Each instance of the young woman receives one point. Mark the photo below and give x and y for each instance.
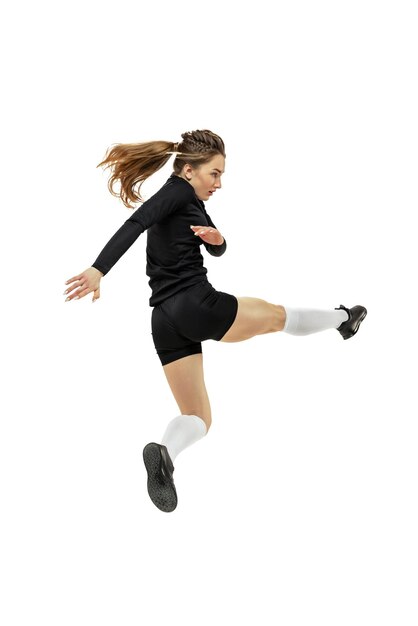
(187, 309)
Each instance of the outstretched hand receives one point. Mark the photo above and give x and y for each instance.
(208, 234)
(85, 283)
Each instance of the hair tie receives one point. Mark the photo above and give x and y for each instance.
(175, 149)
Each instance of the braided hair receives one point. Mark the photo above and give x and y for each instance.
(133, 163)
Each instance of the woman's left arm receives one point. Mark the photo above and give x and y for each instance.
(212, 239)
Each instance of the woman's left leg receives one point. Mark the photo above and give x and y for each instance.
(256, 317)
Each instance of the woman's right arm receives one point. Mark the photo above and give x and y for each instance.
(162, 204)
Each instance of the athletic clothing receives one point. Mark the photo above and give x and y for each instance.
(183, 321)
(307, 321)
(181, 432)
(174, 260)
(187, 309)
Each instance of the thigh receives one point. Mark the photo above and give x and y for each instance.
(255, 316)
(186, 380)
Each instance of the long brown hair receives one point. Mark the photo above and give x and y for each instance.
(133, 163)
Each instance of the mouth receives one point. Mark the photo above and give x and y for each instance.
(211, 192)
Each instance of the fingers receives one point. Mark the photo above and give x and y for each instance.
(203, 230)
(71, 288)
(208, 234)
(80, 280)
(70, 280)
(200, 228)
(78, 294)
(82, 290)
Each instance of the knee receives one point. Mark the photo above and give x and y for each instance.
(208, 422)
(279, 318)
(207, 418)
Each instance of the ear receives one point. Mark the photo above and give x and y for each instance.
(188, 170)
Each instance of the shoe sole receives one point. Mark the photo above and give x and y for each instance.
(161, 489)
(360, 319)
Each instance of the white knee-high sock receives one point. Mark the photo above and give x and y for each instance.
(181, 432)
(307, 321)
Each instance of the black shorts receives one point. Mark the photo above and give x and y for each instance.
(180, 323)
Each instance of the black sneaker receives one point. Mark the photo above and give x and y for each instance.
(355, 316)
(160, 470)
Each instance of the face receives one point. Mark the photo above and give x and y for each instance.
(207, 178)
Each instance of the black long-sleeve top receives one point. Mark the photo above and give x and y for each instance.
(174, 260)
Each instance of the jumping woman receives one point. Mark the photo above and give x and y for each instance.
(187, 309)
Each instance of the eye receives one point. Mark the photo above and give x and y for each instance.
(214, 173)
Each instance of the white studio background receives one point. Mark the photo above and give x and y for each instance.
(299, 507)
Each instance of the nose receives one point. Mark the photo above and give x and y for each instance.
(218, 184)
